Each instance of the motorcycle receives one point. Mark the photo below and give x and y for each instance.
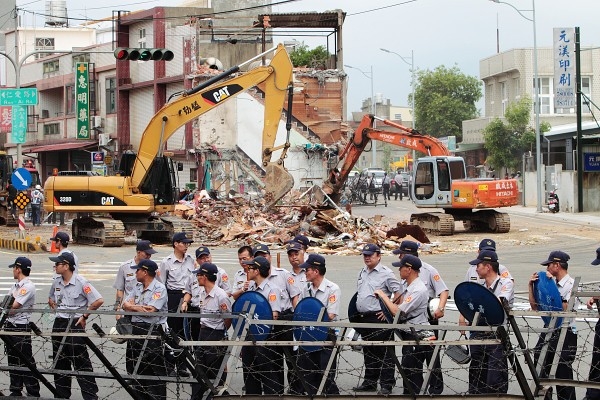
(553, 202)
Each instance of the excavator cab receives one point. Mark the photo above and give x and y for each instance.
(160, 182)
(432, 181)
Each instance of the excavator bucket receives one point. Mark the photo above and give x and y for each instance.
(278, 183)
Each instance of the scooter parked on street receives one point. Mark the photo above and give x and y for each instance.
(553, 202)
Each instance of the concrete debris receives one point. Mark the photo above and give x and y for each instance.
(238, 220)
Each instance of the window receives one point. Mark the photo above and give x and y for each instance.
(43, 44)
(52, 129)
(111, 95)
(51, 66)
(70, 99)
(81, 58)
(546, 96)
(142, 39)
(504, 96)
(586, 89)
(516, 87)
(31, 119)
(193, 174)
(397, 117)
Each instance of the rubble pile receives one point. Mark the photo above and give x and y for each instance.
(238, 220)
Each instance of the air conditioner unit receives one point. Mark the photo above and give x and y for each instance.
(96, 121)
(103, 139)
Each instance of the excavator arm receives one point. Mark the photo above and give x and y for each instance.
(276, 78)
(407, 138)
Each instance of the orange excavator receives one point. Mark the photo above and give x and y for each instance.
(439, 181)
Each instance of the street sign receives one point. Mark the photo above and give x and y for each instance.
(15, 97)
(21, 179)
(19, 124)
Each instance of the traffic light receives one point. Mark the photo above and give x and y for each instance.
(123, 53)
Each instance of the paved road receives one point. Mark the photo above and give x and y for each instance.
(100, 265)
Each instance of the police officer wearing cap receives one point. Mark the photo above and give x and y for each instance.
(213, 300)
(379, 360)
(240, 279)
(125, 280)
(557, 266)
(72, 292)
(192, 292)
(61, 240)
(304, 242)
(175, 271)
(263, 372)
(296, 256)
(312, 364)
(18, 321)
(149, 296)
(412, 306)
(472, 276)
(289, 295)
(436, 288)
(488, 371)
(203, 256)
(593, 393)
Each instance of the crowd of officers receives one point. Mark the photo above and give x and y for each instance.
(185, 284)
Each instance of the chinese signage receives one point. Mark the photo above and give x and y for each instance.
(591, 162)
(5, 119)
(19, 124)
(82, 94)
(564, 68)
(14, 97)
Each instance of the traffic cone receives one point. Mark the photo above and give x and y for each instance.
(53, 248)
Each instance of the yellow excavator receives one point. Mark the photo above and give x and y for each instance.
(143, 199)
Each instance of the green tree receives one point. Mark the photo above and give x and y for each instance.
(387, 156)
(506, 140)
(444, 98)
(315, 58)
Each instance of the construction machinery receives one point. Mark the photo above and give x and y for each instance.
(439, 181)
(142, 199)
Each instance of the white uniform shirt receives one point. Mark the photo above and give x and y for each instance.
(75, 295)
(327, 293)
(380, 277)
(24, 294)
(414, 302)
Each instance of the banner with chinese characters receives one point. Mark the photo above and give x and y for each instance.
(564, 68)
(5, 119)
(82, 93)
(591, 162)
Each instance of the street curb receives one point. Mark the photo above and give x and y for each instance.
(23, 245)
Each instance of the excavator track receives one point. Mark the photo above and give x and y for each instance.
(435, 223)
(180, 225)
(487, 221)
(102, 232)
(500, 222)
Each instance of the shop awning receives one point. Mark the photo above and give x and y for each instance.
(61, 147)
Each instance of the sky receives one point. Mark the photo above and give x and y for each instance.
(439, 32)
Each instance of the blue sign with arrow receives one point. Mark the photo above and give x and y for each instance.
(21, 179)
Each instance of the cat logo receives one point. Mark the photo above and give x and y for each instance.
(107, 201)
(222, 94)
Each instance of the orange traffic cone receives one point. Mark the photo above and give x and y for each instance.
(53, 248)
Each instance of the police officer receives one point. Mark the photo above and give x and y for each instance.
(213, 300)
(71, 291)
(557, 266)
(149, 296)
(412, 307)
(203, 256)
(18, 321)
(472, 276)
(592, 393)
(379, 360)
(125, 280)
(313, 363)
(262, 369)
(289, 294)
(240, 279)
(436, 287)
(295, 253)
(175, 271)
(61, 240)
(488, 372)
